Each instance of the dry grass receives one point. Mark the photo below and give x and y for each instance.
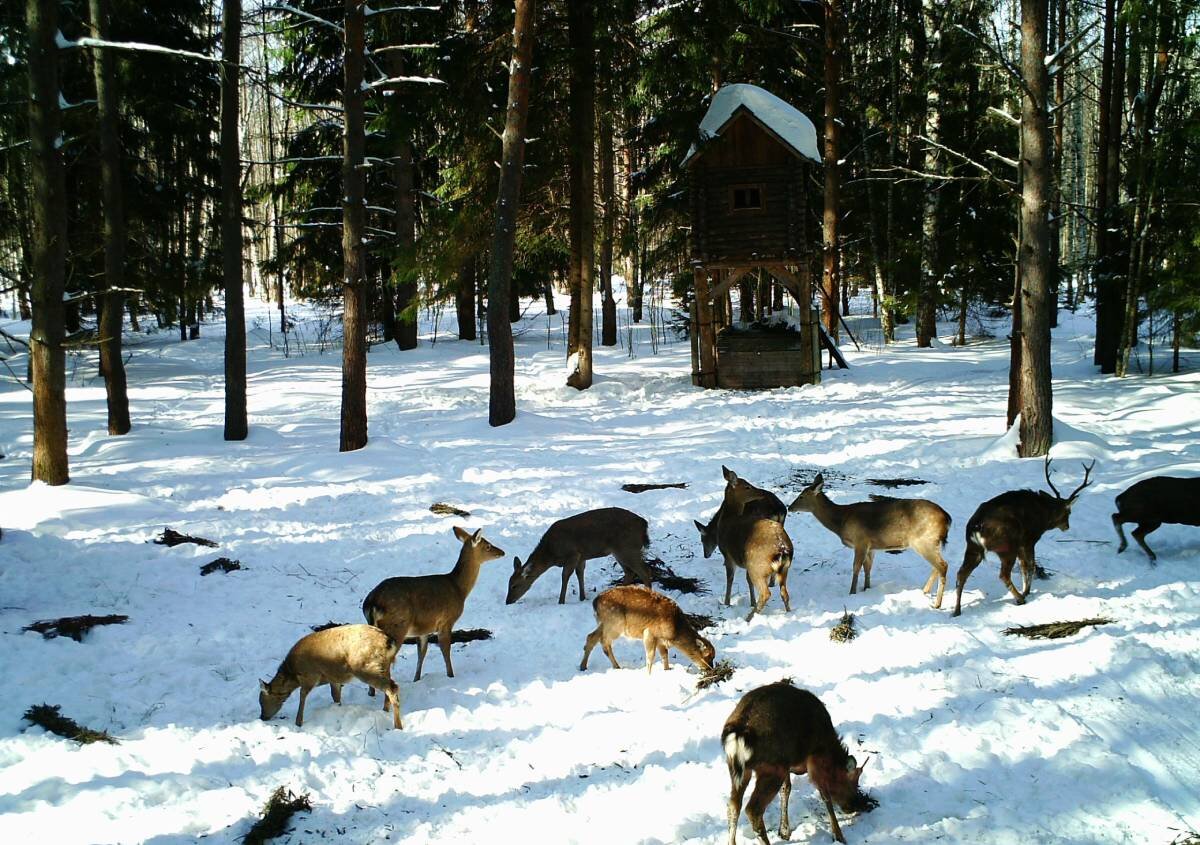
(277, 815)
(443, 509)
(1056, 630)
(48, 716)
(844, 631)
(722, 670)
(1187, 837)
(642, 488)
(73, 626)
(700, 621)
(664, 577)
(221, 564)
(171, 537)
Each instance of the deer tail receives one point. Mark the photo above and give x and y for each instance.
(737, 755)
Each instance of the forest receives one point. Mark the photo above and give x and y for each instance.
(325, 311)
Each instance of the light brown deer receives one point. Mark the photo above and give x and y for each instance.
(1010, 525)
(883, 524)
(777, 731)
(572, 542)
(334, 656)
(430, 604)
(656, 620)
(760, 546)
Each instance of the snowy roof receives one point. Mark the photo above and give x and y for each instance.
(786, 122)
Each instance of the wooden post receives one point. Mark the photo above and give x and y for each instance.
(705, 334)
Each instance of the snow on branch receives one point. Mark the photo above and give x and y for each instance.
(368, 11)
(1053, 60)
(284, 7)
(395, 47)
(398, 80)
(64, 43)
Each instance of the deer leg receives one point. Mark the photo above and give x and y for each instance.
(391, 695)
(335, 690)
(858, 562)
(972, 559)
(589, 644)
(422, 645)
(783, 591)
(1140, 533)
(579, 565)
(662, 652)
(833, 822)
(938, 570)
(1007, 559)
(785, 796)
(651, 645)
(634, 564)
(606, 644)
(1028, 568)
(567, 569)
(766, 787)
(868, 562)
(729, 567)
(759, 593)
(1118, 524)
(444, 642)
(304, 691)
(737, 790)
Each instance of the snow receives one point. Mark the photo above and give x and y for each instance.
(792, 127)
(973, 736)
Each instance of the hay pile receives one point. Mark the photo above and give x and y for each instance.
(73, 626)
(221, 564)
(171, 538)
(48, 716)
(277, 815)
(722, 670)
(1056, 630)
(844, 631)
(443, 509)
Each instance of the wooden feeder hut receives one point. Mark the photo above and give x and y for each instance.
(747, 184)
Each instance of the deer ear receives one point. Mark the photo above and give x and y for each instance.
(461, 534)
(516, 565)
(477, 536)
(262, 685)
(851, 763)
(819, 481)
(729, 474)
(703, 528)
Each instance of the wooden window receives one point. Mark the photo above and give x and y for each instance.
(746, 198)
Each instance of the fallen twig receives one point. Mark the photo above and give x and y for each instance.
(1056, 630)
(276, 816)
(48, 716)
(171, 538)
(73, 626)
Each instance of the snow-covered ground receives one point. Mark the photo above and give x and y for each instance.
(974, 736)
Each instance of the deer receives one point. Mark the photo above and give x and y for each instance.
(427, 604)
(774, 732)
(760, 546)
(1154, 501)
(1010, 525)
(642, 614)
(334, 656)
(743, 498)
(883, 524)
(573, 541)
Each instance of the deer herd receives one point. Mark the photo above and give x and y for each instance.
(776, 730)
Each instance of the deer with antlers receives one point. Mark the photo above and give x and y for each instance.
(1010, 525)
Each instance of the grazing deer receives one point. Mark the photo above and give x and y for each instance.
(777, 731)
(1153, 501)
(427, 604)
(760, 546)
(572, 542)
(1010, 525)
(883, 524)
(642, 614)
(334, 656)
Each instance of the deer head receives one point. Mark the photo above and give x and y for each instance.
(1063, 521)
(808, 496)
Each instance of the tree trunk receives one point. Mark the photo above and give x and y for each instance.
(608, 205)
(1058, 20)
(464, 300)
(932, 162)
(112, 302)
(231, 224)
(1109, 306)
(581, 37)
(406, 238)
(635, 281)
(354, 318)
(1037, 424)
(502, 401)
(829, 228)
(46, 354)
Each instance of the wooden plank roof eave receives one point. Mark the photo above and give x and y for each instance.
(738, 112)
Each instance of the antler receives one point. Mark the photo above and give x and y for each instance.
(1057, 495)
(1087, 472)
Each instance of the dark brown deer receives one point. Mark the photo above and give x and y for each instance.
(572, 542)
(883, 524)
(1154, 501)
(744, 499)
(777, 731)
(430, 604)
(1010, 525)
(641, 614)
(760, 546)
(334, 656)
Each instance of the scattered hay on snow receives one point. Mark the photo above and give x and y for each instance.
(73, 626)
(171, 538)
(48, 716)
(844, 631)
(896, 482)
(443, 509)
(722, 670)
(643, 488)
(1056, 630)
(700, 621)
(277, 815)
